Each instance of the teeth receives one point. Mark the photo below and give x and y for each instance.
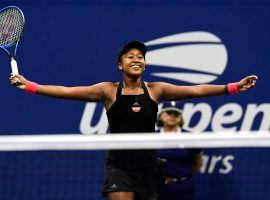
(135, 67)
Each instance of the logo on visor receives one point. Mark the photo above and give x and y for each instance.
(193, 57)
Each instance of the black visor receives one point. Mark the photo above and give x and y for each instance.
(132, 45)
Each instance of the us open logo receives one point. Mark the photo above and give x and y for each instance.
(193, 57)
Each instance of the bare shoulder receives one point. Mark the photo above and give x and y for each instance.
(108, 85)
(155, 89)
(109, 89)
(156, 85)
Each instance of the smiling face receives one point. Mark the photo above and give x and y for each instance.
(132, 63)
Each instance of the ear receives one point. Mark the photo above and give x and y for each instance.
(120, 66)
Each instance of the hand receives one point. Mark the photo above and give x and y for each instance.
(247, 83)
(18, 78)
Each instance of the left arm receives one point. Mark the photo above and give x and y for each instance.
(175, 92)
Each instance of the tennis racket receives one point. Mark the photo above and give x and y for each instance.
(11, 30)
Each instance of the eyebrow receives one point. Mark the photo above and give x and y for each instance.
(134, 54)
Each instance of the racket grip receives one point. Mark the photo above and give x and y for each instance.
(14, 69)
(14, 66)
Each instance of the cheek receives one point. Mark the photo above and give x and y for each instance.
(163, 117)
(125, 62)
(178, 120)
(143, 62)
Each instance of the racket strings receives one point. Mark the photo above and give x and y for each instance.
(11, 26)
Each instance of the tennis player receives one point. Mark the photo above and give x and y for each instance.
(131, 106)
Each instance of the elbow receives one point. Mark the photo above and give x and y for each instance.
(66, 92)
(199, 91)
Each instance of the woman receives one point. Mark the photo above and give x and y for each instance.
(131, 107)
(182, 164)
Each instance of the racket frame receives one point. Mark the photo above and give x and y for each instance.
(13, 62)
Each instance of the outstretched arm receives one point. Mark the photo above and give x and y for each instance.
(84, 93)
(174, 92)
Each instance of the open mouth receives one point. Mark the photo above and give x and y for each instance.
(136, 67)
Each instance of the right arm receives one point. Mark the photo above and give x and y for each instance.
(197, 163)
(84, 93)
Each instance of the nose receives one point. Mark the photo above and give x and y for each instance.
(135, 59)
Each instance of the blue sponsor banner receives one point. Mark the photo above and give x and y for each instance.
(190, 42)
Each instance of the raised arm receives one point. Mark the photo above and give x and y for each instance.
(84, 93)
(175, 92)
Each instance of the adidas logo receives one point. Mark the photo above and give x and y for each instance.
(136, 107)
(136, 104)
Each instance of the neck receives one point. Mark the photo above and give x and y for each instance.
(170, 128)
(132, 83)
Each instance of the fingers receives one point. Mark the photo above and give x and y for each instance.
(250, 81)
(15, 79)
(252, 78)
(12, 77)
(15, 75)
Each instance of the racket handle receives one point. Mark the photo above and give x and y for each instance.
(14, 66)
(14, 69)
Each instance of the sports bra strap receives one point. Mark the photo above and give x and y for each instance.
(145, 89)
(119, 89)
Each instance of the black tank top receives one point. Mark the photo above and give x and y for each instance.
(132, 114)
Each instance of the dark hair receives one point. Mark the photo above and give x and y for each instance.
(133, 44)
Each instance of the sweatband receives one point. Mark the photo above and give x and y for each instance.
(233, 88)
(31, 87)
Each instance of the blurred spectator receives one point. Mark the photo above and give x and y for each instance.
(182, 164)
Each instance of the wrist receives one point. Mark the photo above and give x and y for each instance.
(226, 89)
(239, 86)
(232, 88)
(31, 87)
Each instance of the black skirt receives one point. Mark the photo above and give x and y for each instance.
(145, 183)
